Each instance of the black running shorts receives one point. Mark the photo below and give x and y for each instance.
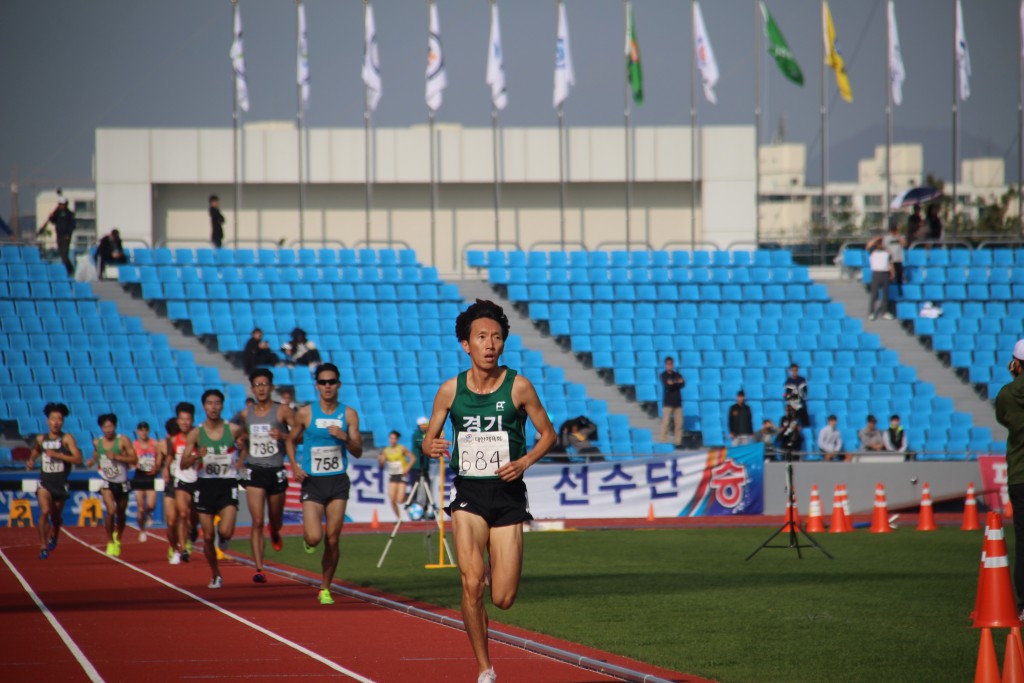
(143, 482)
(323, 490)
(273, 480)
(58, 492)
(213, 495)
(121, 490)
(499, 502)
(187, 487)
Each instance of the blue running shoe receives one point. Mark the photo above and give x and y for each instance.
(43, 554)
(52, 543)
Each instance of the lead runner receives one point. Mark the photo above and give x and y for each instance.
(488, 405)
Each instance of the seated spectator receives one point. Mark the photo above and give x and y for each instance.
(830, 441)
(870, 437)
(790, 438)
(741, 422)
(766, 435)
(287, 395)
(110, 250)
(300, 351)
(578, 433)
(257, 352)
(894, 437)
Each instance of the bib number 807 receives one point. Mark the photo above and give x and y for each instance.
(479, 463)
(218, 469)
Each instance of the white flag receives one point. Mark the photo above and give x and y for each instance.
(371, 62)
(895, 58)
(437, 80)
(704, 55)
(564, 76)
(302, 73)
(963, 56)
(496, 63)
(237, 55)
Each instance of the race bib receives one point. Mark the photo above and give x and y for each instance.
(395, 466)
(218, 465)
(326, 460)
(261, 445)
(147, 461)
(52, 465)
(110, 469)
(482, 453)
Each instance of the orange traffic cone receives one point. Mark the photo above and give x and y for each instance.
(880, 513)
(650, 512)
(981, 567)
(792, 515)
(926, 519)
(996, 606)
(987, 670)
(970, 511)
(375, 521)
(815, 523)
(1013, 665)
(1007, 505)
(848, 516)
(838, 525)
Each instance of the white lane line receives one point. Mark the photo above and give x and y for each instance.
(242, 620)
(83, 661)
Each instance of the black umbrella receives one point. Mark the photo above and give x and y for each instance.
(915, 195)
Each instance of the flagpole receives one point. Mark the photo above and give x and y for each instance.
(366, 134)
(494, 155)
(299, 122)
(234, 133)
(757, 121)
(888, 117)
(693, 128)
(956, 123)
(824, 126)
(1020, 126)
(625, 128)
(561, 176)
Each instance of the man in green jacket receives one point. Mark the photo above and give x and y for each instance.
(1010, 414)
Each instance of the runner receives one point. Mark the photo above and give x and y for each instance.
(114, 453)
(488, 405)
(331, 433)
(144, 479)
(59, 452)
(398, 460)
(184, 485)
(168, 470)
(265, 478)
(212, 445)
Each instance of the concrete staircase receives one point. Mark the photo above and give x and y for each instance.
(852, 294)
(156, 324)
(554, 355)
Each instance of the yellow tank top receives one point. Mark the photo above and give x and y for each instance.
(394, 460)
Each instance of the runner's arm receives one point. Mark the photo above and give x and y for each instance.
(408, 460)
(354, 442)
(95, 454)
(292, 438)
(191, 455)
(525, 395)
(76, 453)
(241, 438)
(37, 448)
(434, 444)
(128, 454)
(286, 416)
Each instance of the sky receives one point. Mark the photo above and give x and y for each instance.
(72, 66)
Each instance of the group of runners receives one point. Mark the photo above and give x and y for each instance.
(203, 466)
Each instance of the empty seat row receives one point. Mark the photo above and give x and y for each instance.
(563, 322)
(130, 274)
(32, 272)
(157, 291)
(269, 257)
(627, 293)
(641, 311)
(642, 276)
(624, 259)
(960, 257)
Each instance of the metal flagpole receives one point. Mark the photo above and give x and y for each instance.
(299, 118)
(625, 129)
(433, 194)
(496, 158)
(693, 130)
(1020, 127)
(366, 137)
(561, 176)
(234, 133)
(956, 94)
(888, 119)
(824, 126)
(757, 120)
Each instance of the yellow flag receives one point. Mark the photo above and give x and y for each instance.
(832, 56)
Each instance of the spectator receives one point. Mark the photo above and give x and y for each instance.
(934, 222)
(894, 437)
(1010, 414)
(790, 437)
(830, 441)
(420, 469)
(894, 244)
(257, 352)
(795, 392)
(578, 433)
(287, 395)
(110, 250)
(741, 422)
(239, 417)
(870, 437)
(63, 219)
(216, 222)
(300, 351)
(881, 274)
(766, 435)
(672, 384)
(915, 226)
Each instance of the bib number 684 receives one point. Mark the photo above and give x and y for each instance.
(479, 462)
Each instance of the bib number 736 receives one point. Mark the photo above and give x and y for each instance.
(481, 454)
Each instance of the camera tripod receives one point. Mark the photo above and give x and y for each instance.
(790, 524)
(431, 508)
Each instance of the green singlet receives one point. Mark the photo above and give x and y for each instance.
(489, 430)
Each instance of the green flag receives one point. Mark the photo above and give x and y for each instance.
(779, 49)
(633, 71)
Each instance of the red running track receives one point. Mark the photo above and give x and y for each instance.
(142, 619)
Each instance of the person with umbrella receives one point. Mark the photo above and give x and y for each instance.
(915, 225)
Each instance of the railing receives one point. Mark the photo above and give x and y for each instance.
(940, 244)
(560, 244)
(628, 245)
(302, 244)
(168, 241)
(389, 244)
(480, 243)
(687, 245)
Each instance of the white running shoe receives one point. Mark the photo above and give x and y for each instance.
(142, 537)
(217, 582)
(888, 316)
(175, 558)
(487, 677)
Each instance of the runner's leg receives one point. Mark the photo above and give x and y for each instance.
(335, 512)
(275, 512)
(171, 517)
(140, 509)
(46, 506)
(396, 497)
(183, 502)
(209, 542)
(56, 516)
(255, 497)
(312, 527)
(122, 517)
(506, 552)
(226, 528)
(110, 510)
(471, 536)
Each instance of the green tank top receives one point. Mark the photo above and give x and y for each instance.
(219, 461)
(489, 430)
(112, 470)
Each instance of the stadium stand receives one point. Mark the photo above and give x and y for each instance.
(384, 319)
(731, 320)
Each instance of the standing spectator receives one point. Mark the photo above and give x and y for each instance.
(881, 274)
(830, 441)
(1010, 414)
(110, 250)
(63, 219)
(894, 437)
(795, 394)
(915, 226)
(934, 222)
(300, 351)
(672, 384)
(420, 466)
(741, 422)
(216, 222)
(894, 244)
(871, 438)
(790, 437)
(257, 352)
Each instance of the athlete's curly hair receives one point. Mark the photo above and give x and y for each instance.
(51, 408)
(481, 309)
